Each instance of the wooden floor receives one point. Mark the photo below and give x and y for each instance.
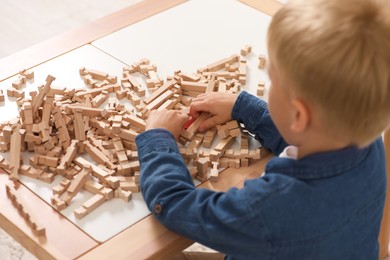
(25, 23)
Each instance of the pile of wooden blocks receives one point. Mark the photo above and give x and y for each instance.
(61, 126)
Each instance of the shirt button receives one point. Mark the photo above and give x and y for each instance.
(157, 209)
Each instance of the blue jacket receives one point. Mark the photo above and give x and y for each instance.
(324, 206)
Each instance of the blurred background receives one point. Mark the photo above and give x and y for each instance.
(26, 23)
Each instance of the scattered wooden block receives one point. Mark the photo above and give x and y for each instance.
(260, 88)
(262, 62)
(1, 95)
(246, 50)
(202, 165)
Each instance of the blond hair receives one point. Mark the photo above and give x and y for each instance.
(337, 55)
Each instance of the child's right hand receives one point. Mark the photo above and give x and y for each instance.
(219, 105)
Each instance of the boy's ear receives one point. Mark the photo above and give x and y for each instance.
(301, 116)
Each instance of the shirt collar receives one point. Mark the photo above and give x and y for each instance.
(318, 165)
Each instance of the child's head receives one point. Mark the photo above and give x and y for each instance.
(336, 55)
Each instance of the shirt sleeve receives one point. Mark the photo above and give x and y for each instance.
(202, 215)
(253, 113)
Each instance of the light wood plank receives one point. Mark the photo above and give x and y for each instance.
(269, 7)
(148, 239)
(66, 42)
(63, 240)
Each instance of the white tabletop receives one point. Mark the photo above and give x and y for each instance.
(192, 35)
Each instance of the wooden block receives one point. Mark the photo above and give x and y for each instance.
(129, 186)
(133, 97)
(260, 88)
(186, 101)
(96, 74)
(246, 50)
(159, 100)
(189, 77)
(128, 134)
(235, 132)
(4, 163)
(24, 210)
(47, 108)
(90, 205)
(193, 171)
(48, 161)
(209, 137)
(244, 162)
(99, 99)
(193, 128)
(122, 194)
(99, 172)
(221, 63)
(224, 162)
(79, 96)
(169, 104)
(262, 62)
(167, 85)
(19, 83)
(56, 201)
(155, 78)
(223, 131)
(78, 182)
(234, 163)
(193, 86)
(42, 93)
(242, 69)
(191, 93)
(98, 155)
(29, 74)
(92, 186)
(18, 94)
(202, 165)
(137, 176)
(121, 94)
(224, 144)
(233, 124)
(136, 121)
(222, 86)
(15, 153)
(211, 84)
(62, 128)
(1, 95)
(244, 152)
(214, 172)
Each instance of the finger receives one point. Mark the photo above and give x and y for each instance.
(201, 96)
(209, 123)
(184, 119)
(196, 108)
(193, 113)
(181, 115)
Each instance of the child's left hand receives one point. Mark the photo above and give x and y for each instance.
(171, 120)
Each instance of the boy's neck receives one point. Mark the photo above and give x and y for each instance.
(320, 145)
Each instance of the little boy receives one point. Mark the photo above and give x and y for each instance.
(323, 196)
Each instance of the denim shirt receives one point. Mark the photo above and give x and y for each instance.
(324, 206)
